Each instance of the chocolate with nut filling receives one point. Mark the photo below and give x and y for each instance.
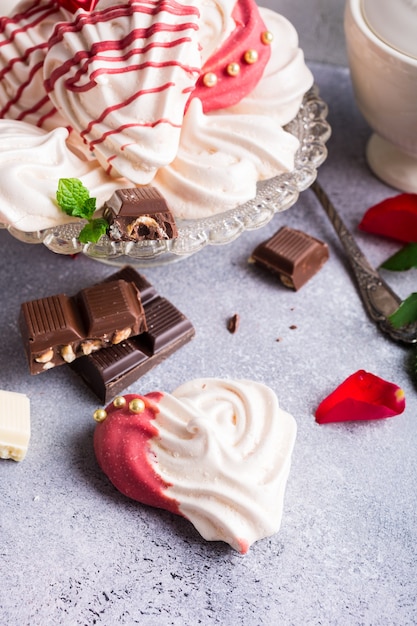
(108, 372)
(292, 254)
(59, 329)
(138, 214)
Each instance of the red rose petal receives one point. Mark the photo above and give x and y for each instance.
(362, 396)
(395, 218)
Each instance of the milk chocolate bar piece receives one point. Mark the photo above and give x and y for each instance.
(59, 329)
(108, 372)
(139, 213)
(14, 425)
(110, 309)
(292, 254)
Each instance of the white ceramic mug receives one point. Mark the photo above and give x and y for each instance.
(383, 68)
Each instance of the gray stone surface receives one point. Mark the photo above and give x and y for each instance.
(319, 24)
(75, 552)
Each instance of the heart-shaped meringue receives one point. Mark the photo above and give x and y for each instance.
(217, 452)
(121, 75)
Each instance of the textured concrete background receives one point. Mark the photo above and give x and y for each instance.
(75, 552)
(319, 24)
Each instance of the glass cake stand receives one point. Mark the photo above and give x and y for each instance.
(277, 194)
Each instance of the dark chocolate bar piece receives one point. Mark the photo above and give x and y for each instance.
(108, 372)
(293, 255)
(59, 329)
(130, 275)
(139, 213)
(165, 323)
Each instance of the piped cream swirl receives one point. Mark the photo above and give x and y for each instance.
(225, 448)
(121, 76)
(31, 162)
(223, 154)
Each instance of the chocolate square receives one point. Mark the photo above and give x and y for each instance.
(293, 255)
(138, 214)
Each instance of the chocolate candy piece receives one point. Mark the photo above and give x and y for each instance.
(139, 213)
(110, 309)
(293, 255)
(130, 275)
(58, 329)
(108, 372)
(165, 323)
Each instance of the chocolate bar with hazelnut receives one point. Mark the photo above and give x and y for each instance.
(108, 372)
(59, 328)
(293, 255)
(138, 214)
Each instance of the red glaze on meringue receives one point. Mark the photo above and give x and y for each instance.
(121, 446)
(74, 5)
(362, 396)
(229, 90)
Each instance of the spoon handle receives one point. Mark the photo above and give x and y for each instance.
(379, 299)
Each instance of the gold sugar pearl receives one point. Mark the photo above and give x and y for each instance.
(210, 79)
(267, 37)
(250, 56)
(100, 415)
(136, 406)
(233, 69)
(119, 402)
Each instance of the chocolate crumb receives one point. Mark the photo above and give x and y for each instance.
(233, 323)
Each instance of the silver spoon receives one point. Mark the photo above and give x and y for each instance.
(379, 299)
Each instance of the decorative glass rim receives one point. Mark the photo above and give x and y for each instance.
(277, 194)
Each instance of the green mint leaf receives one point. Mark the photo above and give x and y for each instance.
(93, 230)
(404, 259)
(89, 208)
(406, 312)
(73, 197)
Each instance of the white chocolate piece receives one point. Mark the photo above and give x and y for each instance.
(14, 425)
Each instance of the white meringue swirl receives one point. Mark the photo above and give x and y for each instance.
(23, 45)
(31, 162)
(121, 76)
(225, 448)
(223, 154)
(221, 158)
